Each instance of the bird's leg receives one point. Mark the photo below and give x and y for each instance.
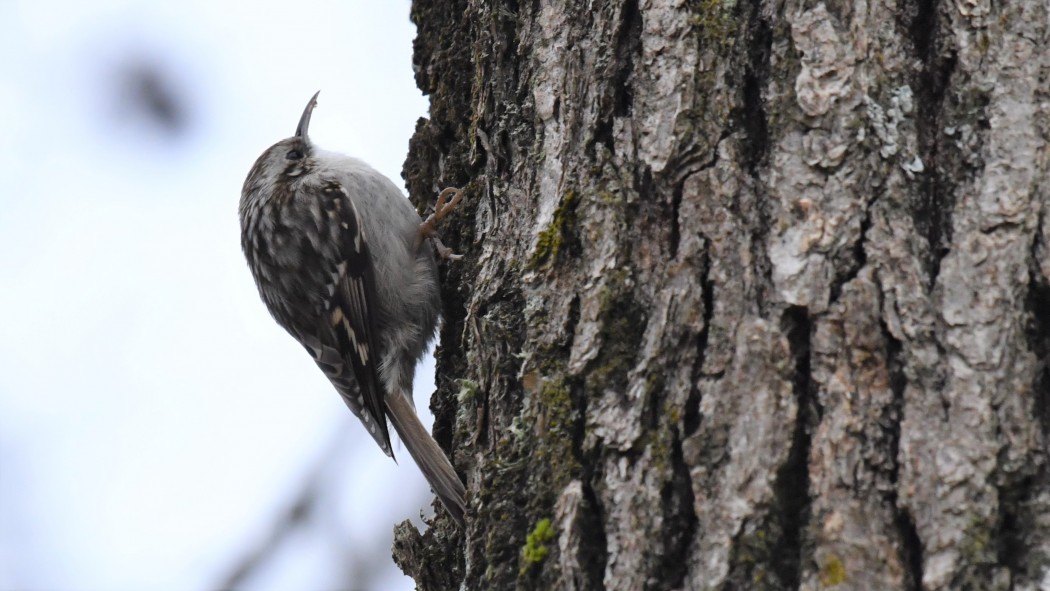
(447, 200)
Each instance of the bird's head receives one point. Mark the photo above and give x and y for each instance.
(286, 160)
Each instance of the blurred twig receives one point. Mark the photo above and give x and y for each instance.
(295, 516)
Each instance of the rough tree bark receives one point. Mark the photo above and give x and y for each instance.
(755, 294)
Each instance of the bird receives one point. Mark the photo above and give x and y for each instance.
(344, 263)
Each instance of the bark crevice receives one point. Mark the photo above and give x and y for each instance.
(691, 416)
(678, 501)
(935, 201)
(910, 545)
(628, 49)
(911, 548)
(619, 97)
(856, 264)
(792, 483)
(1038, 338)
(675, 234)
(595, 551)
(753, 118)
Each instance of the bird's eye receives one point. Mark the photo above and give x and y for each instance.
(294, 154)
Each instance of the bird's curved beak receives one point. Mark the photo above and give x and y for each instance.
(304, 121)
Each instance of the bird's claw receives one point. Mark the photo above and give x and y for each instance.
(443, 251)
(447, 200)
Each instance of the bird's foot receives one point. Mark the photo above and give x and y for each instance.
(447, 200)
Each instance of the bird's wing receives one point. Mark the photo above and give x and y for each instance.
(347, 332)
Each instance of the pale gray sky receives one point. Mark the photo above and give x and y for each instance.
(152, 415)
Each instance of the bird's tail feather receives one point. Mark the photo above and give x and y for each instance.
(428, 455)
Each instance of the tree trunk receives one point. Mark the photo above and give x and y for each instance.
(754, 294)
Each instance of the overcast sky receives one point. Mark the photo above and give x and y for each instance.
(153, 418)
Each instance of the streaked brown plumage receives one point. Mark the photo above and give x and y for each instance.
(341, 261)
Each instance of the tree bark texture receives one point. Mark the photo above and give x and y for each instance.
(755, 294)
